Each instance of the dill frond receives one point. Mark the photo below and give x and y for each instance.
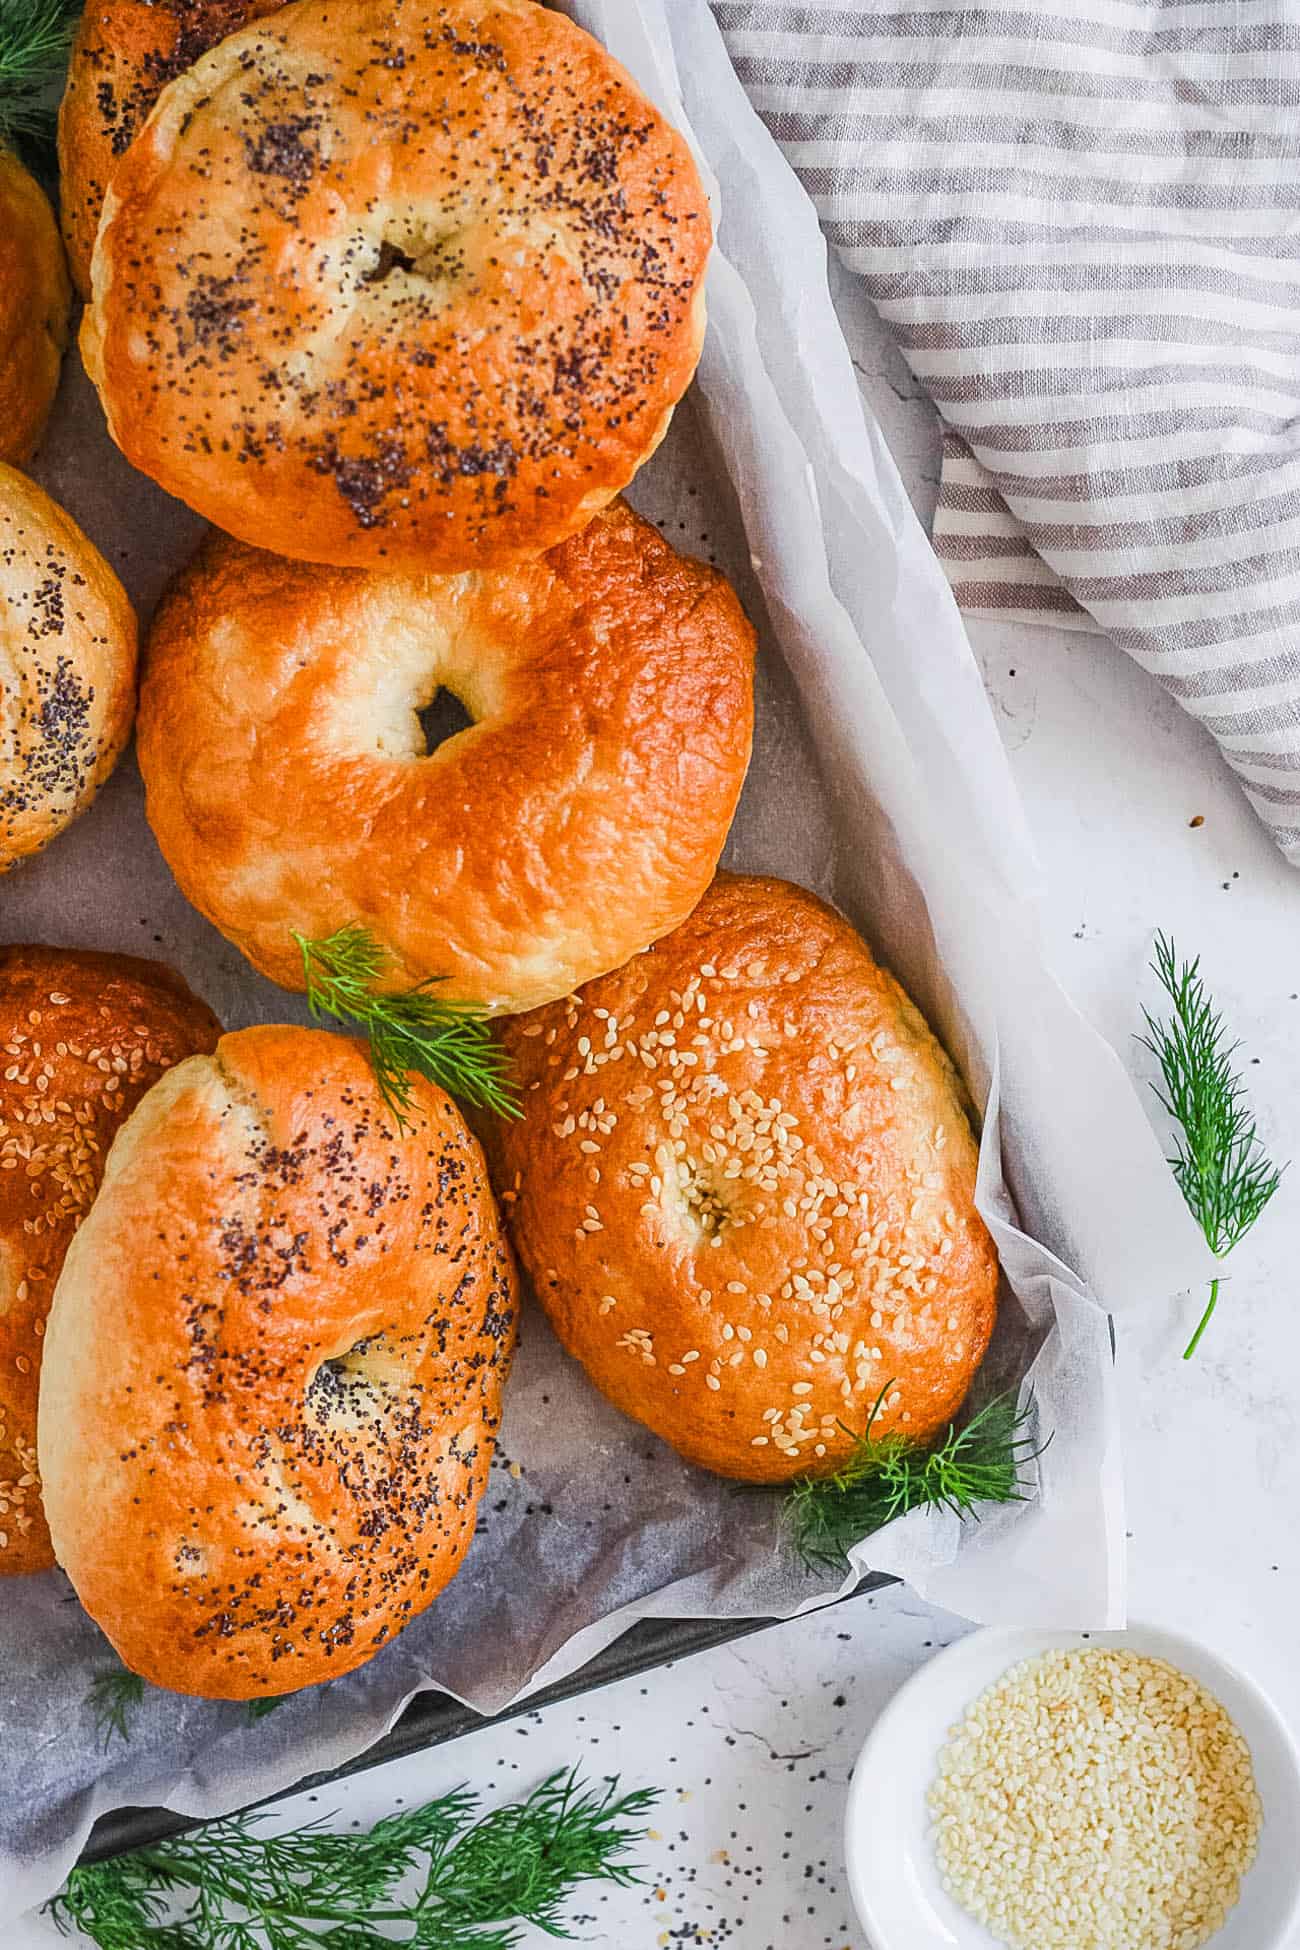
(113, 1698)
(888, 1475)
(1221, 1167)
(451, 1043)
(230, 1888)
(34, 39)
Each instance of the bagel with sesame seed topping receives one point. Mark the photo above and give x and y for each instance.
(743, 1188)
(273, 1368)
(403, 282)
(82, 1037)
(67, 669)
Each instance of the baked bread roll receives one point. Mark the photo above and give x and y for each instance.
(123, 53)
(582, 814)
(743, 1187)
(273, 1368)
(34, 300)
(67, 651)
(402, 282)
(83, 1036)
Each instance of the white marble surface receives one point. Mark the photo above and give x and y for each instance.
(753, 1744)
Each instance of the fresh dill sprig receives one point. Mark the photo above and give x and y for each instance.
(888, 1475)
(449, 1042)
(477, 1879)
(34, 39)
(113, 1698)
(1221, 1167)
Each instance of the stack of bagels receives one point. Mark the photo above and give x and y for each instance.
(399, 295)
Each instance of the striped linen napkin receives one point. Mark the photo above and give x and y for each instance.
(1081, 220)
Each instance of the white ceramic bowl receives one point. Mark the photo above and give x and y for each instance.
(892, 1872)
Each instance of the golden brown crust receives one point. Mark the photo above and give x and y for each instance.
(34, 300)
(82, 1037)
(402, 282)
(67, 668)
(273, 1369)
(582, 815)
(123, 54)
(743, 1189)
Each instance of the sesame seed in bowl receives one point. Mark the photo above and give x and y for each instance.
(1095, 1796)
(1064, 1791)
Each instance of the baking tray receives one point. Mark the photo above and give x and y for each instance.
(434, 1718)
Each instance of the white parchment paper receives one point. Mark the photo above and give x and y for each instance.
(879, 781)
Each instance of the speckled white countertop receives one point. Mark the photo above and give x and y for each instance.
(753, 1744)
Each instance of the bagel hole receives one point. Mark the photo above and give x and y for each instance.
(443, 717)
(391, 258)
(706, 1205)
(409, 247)
(369, 1363)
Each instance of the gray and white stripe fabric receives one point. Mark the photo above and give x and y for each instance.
(1081, 220)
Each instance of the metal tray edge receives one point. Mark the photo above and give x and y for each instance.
(434, 1718)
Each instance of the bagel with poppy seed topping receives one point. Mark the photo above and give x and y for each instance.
(743, 1188)
(67, 654)
(402, 282)
(273, 1368)
(123, 54)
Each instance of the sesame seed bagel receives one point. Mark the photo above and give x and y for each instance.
(273, 1368)
(743, 1188)
(583, 814)
(123, 54)
(34, 300)
(67, 668)
(414, 282)
(82, 1037)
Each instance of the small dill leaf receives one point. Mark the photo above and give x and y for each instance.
(449, 1042)
(886, 1476)
(112, 1698)
(35, 36)
(257, 1709)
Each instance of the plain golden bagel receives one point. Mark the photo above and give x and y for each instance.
(399, 282)
(67, 654)
(34, 299)
(581, 815)
(123, 54)
(743, 1188)
(83, 1037)
(273, 1368)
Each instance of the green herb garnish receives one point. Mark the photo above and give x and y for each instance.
(449, 1042)
(888, 1475)
(34, 39)
(1221, 1167)
(225, 1887)
(113, 1698)
(257, 1709)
